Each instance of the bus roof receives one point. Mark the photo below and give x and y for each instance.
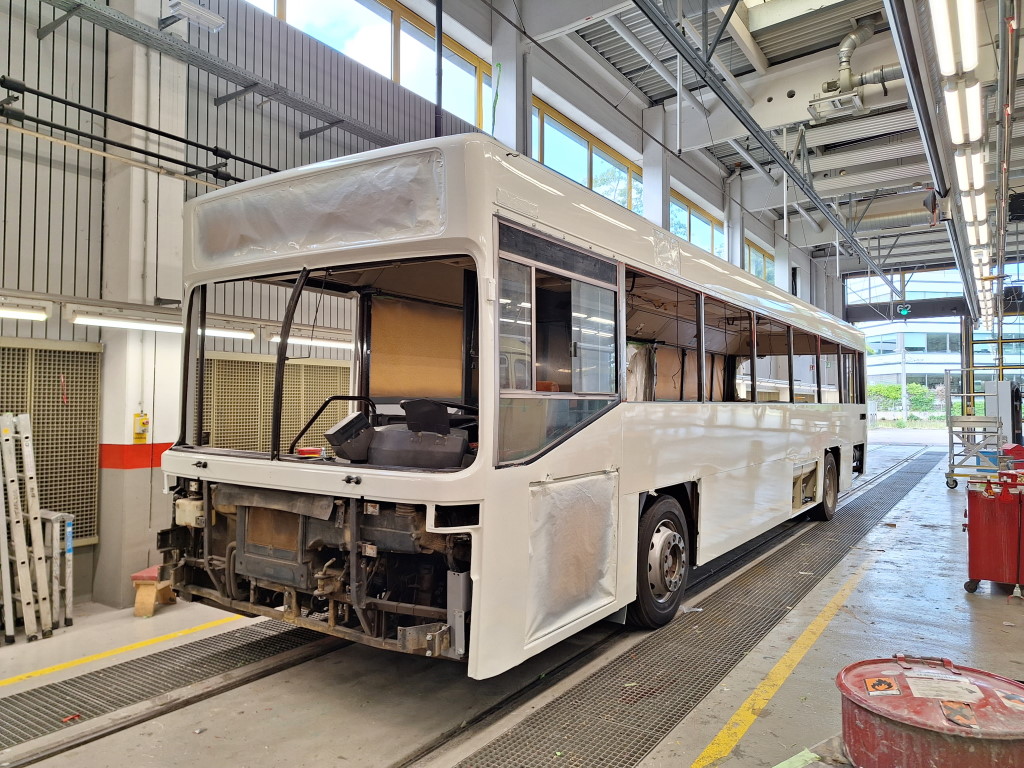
(449, 189)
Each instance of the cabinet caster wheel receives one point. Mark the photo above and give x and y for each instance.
(971, 585)
(951, 482)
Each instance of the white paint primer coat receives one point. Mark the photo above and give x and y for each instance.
(532, 541)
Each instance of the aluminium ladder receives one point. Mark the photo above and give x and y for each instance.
(58, 524)
(6, 576)
(23, 427)
(16, 521)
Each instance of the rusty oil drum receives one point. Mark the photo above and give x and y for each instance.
(907, 712)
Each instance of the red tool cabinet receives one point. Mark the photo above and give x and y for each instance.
(995, 530)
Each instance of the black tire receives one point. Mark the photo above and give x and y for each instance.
(951, 482)
(971, 585)
(826, 509)
(664, 540)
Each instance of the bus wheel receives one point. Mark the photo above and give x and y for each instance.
(829, 490)
(663, 564)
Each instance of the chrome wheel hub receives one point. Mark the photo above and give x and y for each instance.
(666, 562)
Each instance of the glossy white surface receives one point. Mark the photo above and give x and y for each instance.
(742, 453)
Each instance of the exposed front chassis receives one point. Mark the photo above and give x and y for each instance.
(366, 571)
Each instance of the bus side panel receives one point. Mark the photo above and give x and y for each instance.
(741, 453)
(512, 619)
(743, 503)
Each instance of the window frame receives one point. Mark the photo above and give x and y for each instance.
(543, 109)
(717, 224)
(399, 13)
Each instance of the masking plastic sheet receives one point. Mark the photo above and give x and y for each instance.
(573, 535)
(396, 198)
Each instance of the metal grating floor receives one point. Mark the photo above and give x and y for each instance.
(622, 711)
(41, 711)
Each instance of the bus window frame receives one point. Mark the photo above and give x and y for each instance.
(614, 398)
(699, 322)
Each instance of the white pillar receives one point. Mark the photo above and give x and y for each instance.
(734, 224)
(656, 175)
(511, 79)
(141, 261)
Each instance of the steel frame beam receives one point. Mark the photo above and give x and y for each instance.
(46, 29)
(703, 70)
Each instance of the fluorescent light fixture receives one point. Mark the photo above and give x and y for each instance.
(313, 341)
(579, 314)
(505, 301)
(525, 304)
(977, 233)
(202, 17)
(129, 324)
(18, 309)
(970, 168)
(967, 26)
(975, 115)
(943, 32)
(967, 203)
(977, 169)
(954, 116)
(603, 320)
(963, 177)
(980, 205)
(229, 333)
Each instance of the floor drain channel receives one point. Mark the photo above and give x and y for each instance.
(617, 715)
(41, 711)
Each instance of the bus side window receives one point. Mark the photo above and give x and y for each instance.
(805, 367)
(727, 343)
(515, 324)
(829, 371)
(851, 376)
(772, 361)
(662, 329)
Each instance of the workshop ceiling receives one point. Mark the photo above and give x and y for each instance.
(871, 159)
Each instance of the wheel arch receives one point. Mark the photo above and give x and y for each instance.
(688, 496)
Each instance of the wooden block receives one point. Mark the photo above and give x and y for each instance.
(150, 591)
(145, 598)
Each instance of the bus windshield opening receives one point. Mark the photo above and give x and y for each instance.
(380, 369)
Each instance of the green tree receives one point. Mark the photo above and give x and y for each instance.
(886, 395)
(921, 398)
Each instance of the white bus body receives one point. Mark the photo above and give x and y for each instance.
(533, 535)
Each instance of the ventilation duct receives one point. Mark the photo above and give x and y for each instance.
(898, 220)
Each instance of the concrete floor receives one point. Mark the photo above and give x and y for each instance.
(359, 706)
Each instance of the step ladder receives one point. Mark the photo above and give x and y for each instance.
(58, 528)
(34, 597)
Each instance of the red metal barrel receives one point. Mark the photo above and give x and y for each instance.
(921, 713)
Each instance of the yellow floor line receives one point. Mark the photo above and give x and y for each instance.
(115, 651)
(747, 714)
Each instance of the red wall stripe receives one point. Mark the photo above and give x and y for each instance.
(143, 456)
